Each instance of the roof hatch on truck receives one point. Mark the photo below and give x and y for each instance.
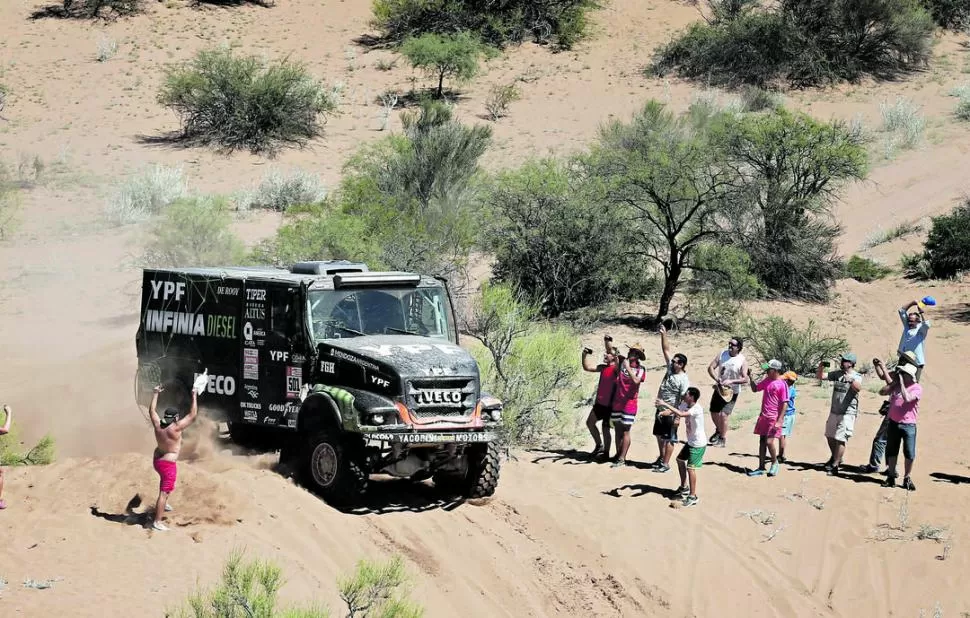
(327, 267)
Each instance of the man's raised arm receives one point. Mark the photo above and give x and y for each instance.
(193, 412)
(153, 408)
(664, 344)
(6, 424)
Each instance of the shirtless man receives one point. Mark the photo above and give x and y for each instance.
(4, 430)
(168, 435)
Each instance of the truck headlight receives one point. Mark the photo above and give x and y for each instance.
(378, 419)
(496, 414)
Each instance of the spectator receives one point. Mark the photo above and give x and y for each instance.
(691, 457)
(728, 369)
(913, 338)
(603, 400)
(879, 441)
(847, 383)
(904, 397)
(624, 406)
(774, 403)
(672, 389)
(8, 412)
(789, 377)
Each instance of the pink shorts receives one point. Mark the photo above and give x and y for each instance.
(167, 470)
(766, 426)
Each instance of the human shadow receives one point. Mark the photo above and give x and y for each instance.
(569, 457)
(849, 472)
(129, 517)
(404, 495)
(641, 489)
(943, 477)
(729, 466)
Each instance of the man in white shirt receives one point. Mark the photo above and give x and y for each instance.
(691, 457)
(913, 337)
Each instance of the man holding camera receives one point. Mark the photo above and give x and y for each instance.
(603, 400)
(915, 329)
(847, 383)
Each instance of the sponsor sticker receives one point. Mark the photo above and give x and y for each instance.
(434, 438)
(294, 382)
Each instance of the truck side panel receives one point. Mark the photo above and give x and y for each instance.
(190, 323)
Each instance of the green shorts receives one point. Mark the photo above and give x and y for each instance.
(693, 455)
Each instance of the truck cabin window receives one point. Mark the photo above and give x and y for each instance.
(352, 313)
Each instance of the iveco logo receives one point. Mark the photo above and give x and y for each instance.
(431, 397)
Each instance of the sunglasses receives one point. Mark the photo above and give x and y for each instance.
(733, 344)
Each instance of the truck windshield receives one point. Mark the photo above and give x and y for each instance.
(380, 311)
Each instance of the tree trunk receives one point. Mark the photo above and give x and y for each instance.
(671, 281)
(441, 84)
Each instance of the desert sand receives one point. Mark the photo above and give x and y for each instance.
(562, 536)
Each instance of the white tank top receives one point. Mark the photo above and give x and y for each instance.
(730, 368)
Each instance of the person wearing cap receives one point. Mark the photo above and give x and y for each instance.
(789, 377)
(624, 413)
(168, 437)
(879, 440)
(913, 337)
(774, 404)
(844, 409)
(904, 397)
(603, 397)
(672, 389)
(728, 370)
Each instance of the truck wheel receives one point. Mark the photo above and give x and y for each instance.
(480, 477)
(483, 470)
(334, 467)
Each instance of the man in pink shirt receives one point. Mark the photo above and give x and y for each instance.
(904, 395)
(774, 404)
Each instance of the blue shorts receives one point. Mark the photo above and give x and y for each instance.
(788, 424)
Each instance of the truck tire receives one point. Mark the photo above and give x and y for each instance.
(480, 477)
(334, 467)
(483, 471)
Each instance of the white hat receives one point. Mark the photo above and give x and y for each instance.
(907, 369)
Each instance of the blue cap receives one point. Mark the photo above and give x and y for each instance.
(849, 356)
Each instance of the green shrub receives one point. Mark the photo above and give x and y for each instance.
(559, 22)
(194, 232)
(146, 194)
(250, 589)
(9, 204)
(950, 14)
(550, 244)
(865, 270)
(963, 108)
(725, 270)
(800, 349)
(904, 120)
(916, 266)
(237, 102)
(755, 99)
(947, 248)
(805, 42)
(321, 232)
(13, 453)
(454, 56)
(278, 191)
(500, 96)
(530, 366)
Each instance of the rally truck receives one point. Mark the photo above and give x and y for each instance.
(348, 372)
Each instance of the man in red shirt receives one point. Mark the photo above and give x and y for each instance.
(904, 396)
(604, 397)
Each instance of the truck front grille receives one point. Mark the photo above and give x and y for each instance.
(451, 397)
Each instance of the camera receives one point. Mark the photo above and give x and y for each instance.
(587, 350)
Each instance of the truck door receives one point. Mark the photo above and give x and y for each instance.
(274, 358)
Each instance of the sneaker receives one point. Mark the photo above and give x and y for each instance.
(3, 504)
(714, 439)
(890, 481)
(690, 501)
(662, 468)
(833, 471)
(781, 459)
(657, 462)
(828, 465)
(870, 469)
(159, 526)
(908, 484)
(619, 463)
(169, 508)
(720, 443)
(683, 492)
(773, 470)
(758, 472)
(885, 472)
(596, 452)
